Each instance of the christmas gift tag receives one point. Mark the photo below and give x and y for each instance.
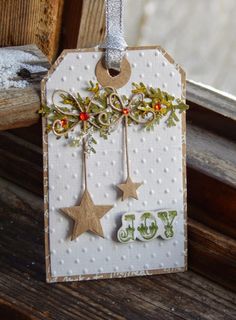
(114, 164)
(122, 211)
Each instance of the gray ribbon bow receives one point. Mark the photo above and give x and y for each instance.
(114, 44)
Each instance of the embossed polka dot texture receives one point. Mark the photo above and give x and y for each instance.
(155, 159)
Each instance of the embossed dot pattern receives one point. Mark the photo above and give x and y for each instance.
(155, 158)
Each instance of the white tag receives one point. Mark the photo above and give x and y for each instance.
(157, 159)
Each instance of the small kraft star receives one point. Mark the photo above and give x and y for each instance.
(129, 189)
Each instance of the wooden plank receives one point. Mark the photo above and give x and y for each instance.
(220, 124)
(212, 250)
(212, 254)
(8, 311)
(212, 121)
(212, 99)
(211, 202)
(211, 154)
(18, 107)
(32, 134)
(83, 24)
(23, 22)
(92, 24)
(22, 279)
(21, 162)
(70, 24)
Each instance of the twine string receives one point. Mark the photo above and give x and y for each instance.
(85, 158)
(127, 147)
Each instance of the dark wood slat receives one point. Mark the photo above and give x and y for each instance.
(212, 254)
(211, 202)
(32, 134)
(211, 99)
(8, 311)
(70, 24)
(92, 24)
(21, 162)
(211, 154)
(22, 280)
(212, 121)
(83, 24)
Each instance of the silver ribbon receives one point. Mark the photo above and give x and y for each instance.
(114, 44)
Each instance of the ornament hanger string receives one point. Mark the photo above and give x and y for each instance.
(126, 147)
(114, 44)
(86, 215)
(85, 159)
(126, 111)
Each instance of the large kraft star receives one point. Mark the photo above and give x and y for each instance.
(86, 216)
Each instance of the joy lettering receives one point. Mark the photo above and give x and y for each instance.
(147, 226)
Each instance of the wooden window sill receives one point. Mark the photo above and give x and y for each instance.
(24, 291)
(211, 141)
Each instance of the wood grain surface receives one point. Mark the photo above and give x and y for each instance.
(92, 24)
(23, 22)
(21, 161)
(212, 254)
(211, 202)
(83, 24)
(214, 154)
(19, 107)
(22, 279)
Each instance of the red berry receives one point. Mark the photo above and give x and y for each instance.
(84, 116)
(125, 111)
(64, 122)
(157, 106)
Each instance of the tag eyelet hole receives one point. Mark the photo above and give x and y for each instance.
(111, 77)
(113, 73)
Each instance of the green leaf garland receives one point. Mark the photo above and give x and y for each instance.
(155, 101)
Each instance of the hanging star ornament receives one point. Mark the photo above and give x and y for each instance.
(86, 216)
(129, 189)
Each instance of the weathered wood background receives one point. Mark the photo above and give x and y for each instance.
(211, 162)
(22, 279)
(33, 21)
(199, 34)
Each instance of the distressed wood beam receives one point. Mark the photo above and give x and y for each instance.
(172, 296)
(19, 106)
(83, 24)
(23, 22)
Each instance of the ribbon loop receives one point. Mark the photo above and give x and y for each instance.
(114, 44)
